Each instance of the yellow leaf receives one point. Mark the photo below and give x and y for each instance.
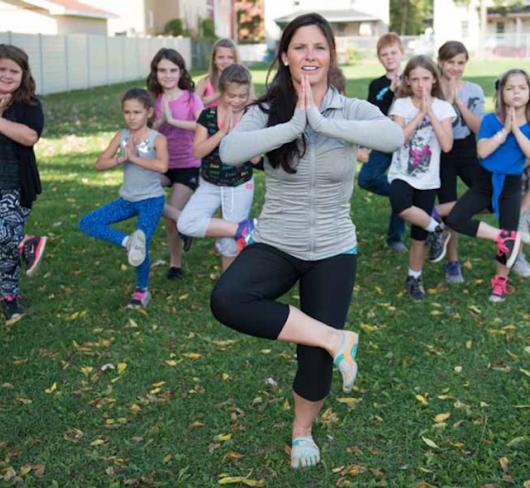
(266, 351)
(469, 344)
(368, 328)
(122, 367)
(24, 470)
(192, 355)
(225, 376)
(97, 442)
(86, 370)
(51, 389)
(475, 309)
(423, 484)
(441, 417)
(422, 399)
(196, 425)
(526, 484)
(171, 362)
(354, 470)
(505, 464)
(159, 384)
(350, 401)
(222, 437)
(524, 371)
(183, 297)
(135, 408)
(233, 455)
(429, 442)
(168, 457)
(286, 405)
(458, 369)
(233, 480)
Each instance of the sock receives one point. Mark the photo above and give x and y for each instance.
(414, 274)
(435, 215)
(125, 241)
(304, 452)
(433, 224)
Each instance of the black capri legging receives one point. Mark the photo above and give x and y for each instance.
(478, 198)
(403, 196)
(461, 162)
(244, 299)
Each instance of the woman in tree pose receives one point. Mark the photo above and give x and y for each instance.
(309, 134)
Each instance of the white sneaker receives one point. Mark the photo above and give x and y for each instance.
(524, 227)
(136, 248)
(521, 266)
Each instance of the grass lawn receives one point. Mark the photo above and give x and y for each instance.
(92, 394)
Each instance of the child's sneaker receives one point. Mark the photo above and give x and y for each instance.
(244, 233)
(453, 272)
(415, 288)
(499, 289)
(521, 266)
(438, 241)
(31, 252)
(139, 299)
(136, 248)
(12, 308)
(508, 244)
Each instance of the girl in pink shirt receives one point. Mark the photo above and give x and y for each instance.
(177, 109)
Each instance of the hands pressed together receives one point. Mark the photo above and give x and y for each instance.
(305, 94)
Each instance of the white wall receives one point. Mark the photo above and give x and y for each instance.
(131, 15)
(77, 61)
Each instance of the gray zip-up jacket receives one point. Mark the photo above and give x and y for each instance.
(307, 214)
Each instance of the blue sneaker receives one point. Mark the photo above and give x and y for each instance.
(453, 273)
(244, 233)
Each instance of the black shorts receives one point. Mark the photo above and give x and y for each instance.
(185, 176)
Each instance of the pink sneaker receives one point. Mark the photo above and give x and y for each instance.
(508, 244)
(499, 289)
(32, 251)
(139, 299)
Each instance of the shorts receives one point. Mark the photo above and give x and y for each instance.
(185, 176)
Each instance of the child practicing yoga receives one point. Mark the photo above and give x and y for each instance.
(414, 174)
(503, 148)
(143, 157)
(230, 188)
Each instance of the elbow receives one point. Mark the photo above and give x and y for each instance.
(196, 152)
(481, 153)
(396, 138)
(447, 147)
(163, 167)
(30, 139)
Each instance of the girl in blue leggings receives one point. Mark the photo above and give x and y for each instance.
(143, 156)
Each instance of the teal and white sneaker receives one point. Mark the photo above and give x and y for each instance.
(304, 453)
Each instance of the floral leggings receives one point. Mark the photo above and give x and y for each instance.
(12, 219)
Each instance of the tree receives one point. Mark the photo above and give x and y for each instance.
(408, 17)
(249, 14)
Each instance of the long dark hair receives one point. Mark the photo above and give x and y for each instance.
(280, 98)
(185, 80)
(25, 93)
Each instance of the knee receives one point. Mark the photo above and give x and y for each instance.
(452, 221)
(85, 224)
(224, 303)
(190, 225)
(365, 179)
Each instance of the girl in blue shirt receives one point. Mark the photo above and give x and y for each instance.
(503, 148)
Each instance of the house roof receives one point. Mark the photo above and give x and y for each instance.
(71, 7)
(331, 15)
(515, 11)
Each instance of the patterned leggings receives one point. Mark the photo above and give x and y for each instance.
(96, 224)
(12, 219)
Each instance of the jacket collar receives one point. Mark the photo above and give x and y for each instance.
(332, 99)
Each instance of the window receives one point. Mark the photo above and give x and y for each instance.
(340, 29)
(500, 27)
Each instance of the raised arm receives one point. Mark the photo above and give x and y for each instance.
(251, 137)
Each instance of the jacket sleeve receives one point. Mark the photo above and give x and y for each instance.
(364, 125)
(251, 137)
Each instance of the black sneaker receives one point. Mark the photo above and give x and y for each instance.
(508, 244)
(12, 308)
(187, 241)
(415, 288)
(175, 273)
(438, 241)
(32, 252)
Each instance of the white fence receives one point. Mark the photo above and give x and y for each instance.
(79, 61)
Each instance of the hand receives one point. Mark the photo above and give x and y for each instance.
(362, 155)
(426, 103)
(5, 100)
(513, 119)
(166, 109)
(309, 100)
(228, 122)
(394, 83)
(509, 120)
(301, 104)
(130, 151)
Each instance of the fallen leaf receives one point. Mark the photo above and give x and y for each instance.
(422, 399)
(171, 362)
(122, 367)
(233, 480)
(222, 437)
(524, 371)
(192, 355)
(51, 389)
(429, 442)
(505, 464)
(368, 328)
(441, 417)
